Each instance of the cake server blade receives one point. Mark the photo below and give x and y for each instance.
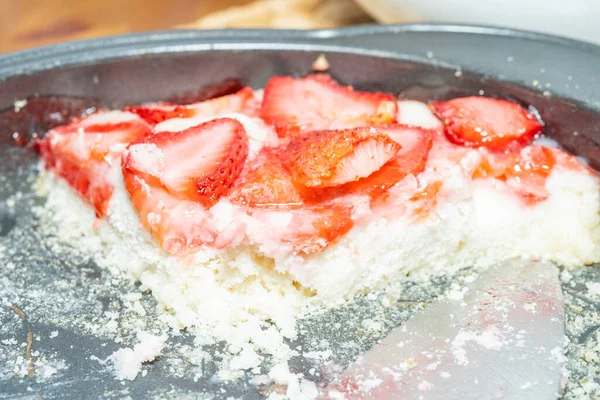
(502, 339)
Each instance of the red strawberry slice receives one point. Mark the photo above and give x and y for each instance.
(526, 172)
(331, 158)
(415, 145)
(427, 198)
(199, 164)
(493, 123)
(95, 136)
(317, 102)
(410, 159)
(326, 224)
(158, 112)
(178, 226)
(267, 184)
(82, 151)
(240, 102)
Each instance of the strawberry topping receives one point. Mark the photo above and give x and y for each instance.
(525, 172)
(493, 123)
(179, 226)
(240, 102)
(82, 151)
(415, 145)
(267, 184)
(427, 198)
(198, 164)
(317, 102)
(327, 223)
(410, 159)
(331, 158)
(335, 159)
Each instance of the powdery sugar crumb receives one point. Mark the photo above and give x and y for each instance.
(297, 387)
(593, 288)
(425, 386)
(456, 292)
(128, 361)
(490, 339)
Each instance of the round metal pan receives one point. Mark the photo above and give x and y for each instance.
(557, 76)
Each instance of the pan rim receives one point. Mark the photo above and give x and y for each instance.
(166, 41)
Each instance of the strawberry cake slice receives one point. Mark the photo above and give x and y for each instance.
(254, 206)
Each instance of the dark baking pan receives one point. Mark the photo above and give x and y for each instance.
(64, 297)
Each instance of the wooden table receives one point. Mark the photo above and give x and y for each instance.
(30, 23)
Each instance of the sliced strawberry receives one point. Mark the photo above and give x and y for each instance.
(317, 102)
(242, 101)
(267, 184)
(178, 226)
(82, 151)
(332, 222)
(95, 136)
(158, 112)
(319, 226)
(427, 198)
(410, 159)
(199, 164)
(526, 172)
(479, 121)
(415, 145)
(331, 158)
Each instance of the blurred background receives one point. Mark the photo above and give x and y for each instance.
(30, 23)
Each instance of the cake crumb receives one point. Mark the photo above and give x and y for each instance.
(489, 339)
(19, 104)
(297, 387)
(425, 386)
(320, 64)
(128, 361)
(593, 288)
(530, 307)
(456, 292)
(246, 359)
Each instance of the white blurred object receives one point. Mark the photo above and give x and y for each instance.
(578, 19)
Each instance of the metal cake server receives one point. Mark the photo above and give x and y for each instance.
(502, 338)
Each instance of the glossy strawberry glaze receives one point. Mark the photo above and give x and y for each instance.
(264, 208)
